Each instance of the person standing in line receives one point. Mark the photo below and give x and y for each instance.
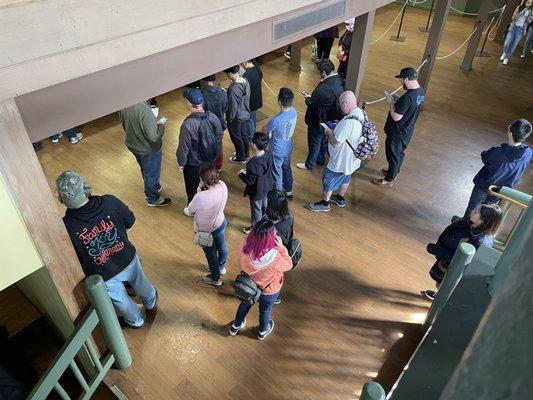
(278, 212)
(264, 259)
(144, 138)
(238, 113)
(208, 209)
(522, 17)
(281, 128)
(342, 161)
(254, 76)
(73, 136)
(345, 42)
(502, 166)
(258, 178)
(477, 229)
(216, 101)
(199, 142)
(324, 42)
(98, 228)
(528, 45)
(321, 107)
(400, 123)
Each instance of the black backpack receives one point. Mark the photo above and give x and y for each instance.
(295, 251)
(208, 145)
(246, 290)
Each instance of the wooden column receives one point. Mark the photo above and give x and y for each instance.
(479, 25)
(29, 189)
(296, 56)
(506, 20)
(359, 51)
(433, 42)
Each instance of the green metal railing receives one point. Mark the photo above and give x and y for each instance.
(102, 312)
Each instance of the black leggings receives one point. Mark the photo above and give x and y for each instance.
(323, 47)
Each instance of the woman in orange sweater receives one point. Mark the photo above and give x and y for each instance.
(264, 258)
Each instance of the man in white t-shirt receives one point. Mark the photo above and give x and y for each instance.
(342, 161)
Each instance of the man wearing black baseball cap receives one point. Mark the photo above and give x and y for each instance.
(400, 123)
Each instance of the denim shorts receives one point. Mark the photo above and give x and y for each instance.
(333, 180)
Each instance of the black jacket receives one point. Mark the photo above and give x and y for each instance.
(216, 101)
(323, 99)
(254, 76)
(98, 231)
(258, 176)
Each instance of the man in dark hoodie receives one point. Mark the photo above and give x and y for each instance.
(322, 106)
(98, 228)
(258, 178)
(216, 101)
(238, 113)
(503, 165)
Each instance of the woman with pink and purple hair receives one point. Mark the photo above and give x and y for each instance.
(264, 259)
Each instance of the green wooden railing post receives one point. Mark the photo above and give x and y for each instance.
(513, 248)
(462, 257)
(97, 291)
(372, 391)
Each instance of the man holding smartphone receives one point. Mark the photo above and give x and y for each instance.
(400, 123)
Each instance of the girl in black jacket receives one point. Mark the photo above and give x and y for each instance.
(477, 230)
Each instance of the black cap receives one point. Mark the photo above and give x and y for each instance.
(408, 72)
(210, 78)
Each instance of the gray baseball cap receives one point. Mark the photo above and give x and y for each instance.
(71, 188)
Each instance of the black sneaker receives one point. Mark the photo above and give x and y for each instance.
(236, 161)
(162, 202)
(430, 294)
(247, 230)
(207, 279)
(233, 330)
(278, 300)
(124, 324)
(338, 200)
(270, 328)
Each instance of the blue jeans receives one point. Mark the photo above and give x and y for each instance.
(151, 171)
(282, 173)
(479, 195)
(134, 275)
(317, 143)
(217, 254)
(71, 133)
(265, 309)
(512, 39)
(529, 42)
(251, 124)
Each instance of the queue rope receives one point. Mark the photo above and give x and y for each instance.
(489, 26)
(391, 25)
(276, 96)
(497, 23)
(460, 47)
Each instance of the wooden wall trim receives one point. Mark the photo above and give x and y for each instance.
(29, 189)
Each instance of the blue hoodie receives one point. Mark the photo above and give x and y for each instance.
(504, 165)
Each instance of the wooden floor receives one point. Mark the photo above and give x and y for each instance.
(351, 311)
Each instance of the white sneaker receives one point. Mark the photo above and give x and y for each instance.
(522, 56)
(76, 139)
(502, 57)
(301, 166)
(187, 212)
(505, 61)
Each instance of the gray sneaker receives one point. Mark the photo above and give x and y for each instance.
(208, 280)
(319, 207)
(336, 199)
(222, 270)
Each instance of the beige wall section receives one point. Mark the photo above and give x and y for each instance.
(56, 40)
(19, 255)
(76, 101)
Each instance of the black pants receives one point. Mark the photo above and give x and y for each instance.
(343, 69)
(317, 144)
(191, 176)
(395, 151)
(238, 132)
(323, 47)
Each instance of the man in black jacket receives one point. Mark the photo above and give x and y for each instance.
(254, 76)
(258, 178)
(190, 159)
(98, 228)
(322, 106)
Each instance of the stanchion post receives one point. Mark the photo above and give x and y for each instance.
(399, 38)
(479, 25)
(481, 52)
(462, 257)
(97, 291)
(426, 29)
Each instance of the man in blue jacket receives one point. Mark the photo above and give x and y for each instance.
(503, 165)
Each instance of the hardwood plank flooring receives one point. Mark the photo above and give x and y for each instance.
(351, 311)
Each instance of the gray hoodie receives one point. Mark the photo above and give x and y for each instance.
(238, 102)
